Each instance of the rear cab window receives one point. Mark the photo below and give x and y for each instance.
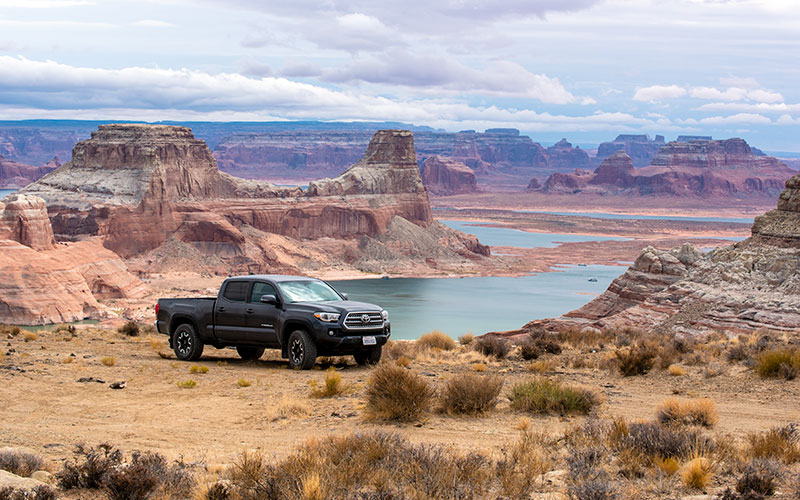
(236, 291)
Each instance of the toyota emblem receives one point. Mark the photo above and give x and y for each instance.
(365, 318)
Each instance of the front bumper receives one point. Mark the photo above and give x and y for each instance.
(333, 338)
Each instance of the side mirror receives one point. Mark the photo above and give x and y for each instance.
(345, 296)
(269, 299)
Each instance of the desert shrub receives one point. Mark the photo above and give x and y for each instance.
(64, 328)
(144, 476)
(637, 359)
(584, 462)
(217, 491)
(492, 345)
(676, 371)
(108, 360)
(523, 463)
(21, 463)
(395, 393)
(758, 478)
(198, 369)
(693, 412)
(41, 492)
(10, 330)
(541, 366)
(697, 472)
(771, 363)
(653, 440)
(394, 349)
(403, 361)
(738, 352)
(478, 367)
(29, 336)
(243, 382)
(186, 384)
(471, 394)
(778, 443)
(545, 341)
(593, 489)
(129, 329)
(529, 350)
(543, 395)
(437, 340)
(668, 466)
(333, 385)
(466, 339)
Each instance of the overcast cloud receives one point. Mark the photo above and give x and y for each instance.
(586, 69)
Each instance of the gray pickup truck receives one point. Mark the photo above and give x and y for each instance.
(303, 317)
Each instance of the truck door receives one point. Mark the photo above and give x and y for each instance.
(230, 321)
(262, 318)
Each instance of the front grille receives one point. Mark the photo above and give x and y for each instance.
(355, 320)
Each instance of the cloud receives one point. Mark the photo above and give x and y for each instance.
(711, 93)
(761, 107)
(43, 4)
(586, 101)
(740, 118)
(354, 32)
(152, 23)
(398, 67)
(252, 67)
(735, 81)
(761, 95)
(300, 69)
(787, 120)
(657, 93)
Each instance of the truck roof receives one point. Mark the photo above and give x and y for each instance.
(273, 277)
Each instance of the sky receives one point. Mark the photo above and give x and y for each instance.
(586, 70)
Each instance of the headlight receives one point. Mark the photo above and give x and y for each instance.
(327, 317)
(385, 315)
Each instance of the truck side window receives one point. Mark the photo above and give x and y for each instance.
(260, 289)
(236, 291)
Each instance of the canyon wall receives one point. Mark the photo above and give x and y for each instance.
(444, 176)
(639, 147)
(739, 288)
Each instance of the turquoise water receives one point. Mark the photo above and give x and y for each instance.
(597, 215)
(460, 305)
(503, 236)
(6, 192)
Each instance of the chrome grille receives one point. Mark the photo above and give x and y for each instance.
(366, 319)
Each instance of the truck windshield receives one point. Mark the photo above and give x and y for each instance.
(308, 291)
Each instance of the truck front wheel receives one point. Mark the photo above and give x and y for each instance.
(186, 343)
(369, 357)
(302, 350)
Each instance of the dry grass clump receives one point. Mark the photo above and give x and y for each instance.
(436, 340)
(143, 476)
(778, 443)
(129, 329)
(637, 359)
(478, 367)
(394, 349)
(471, 394)
(29, 336)
(64, 328)
(492, 345)
(758, 480)
(783, 363)
(198, 369)
(541, 366)
(697, 472)
(544, 395)
(525, 463)
(243, 382)
(403, 361)
(10, 330)
(21, 463)
(700, 411)
(375, 465)
(333, 385)
(41, 492)
(676, 371)
(466, 339)
(289, 408)
(108, 360)
(395, 393)
(186, 384)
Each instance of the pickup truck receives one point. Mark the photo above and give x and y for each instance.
(303, 317)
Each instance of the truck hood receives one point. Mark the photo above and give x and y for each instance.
(340, 306)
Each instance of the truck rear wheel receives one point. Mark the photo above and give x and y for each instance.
(186, 343)
(369, 357)
(250, 353)
(302, 350)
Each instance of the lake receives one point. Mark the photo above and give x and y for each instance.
(507, 237)
(460, 305)
(6, 192)
(599, 215)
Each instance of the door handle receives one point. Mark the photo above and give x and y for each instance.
(221, 309)
(249, 311)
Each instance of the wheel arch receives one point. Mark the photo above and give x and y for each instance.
(288, 327)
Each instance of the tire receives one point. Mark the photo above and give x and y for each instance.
(186, 343)
(250, 353)
(301, 350)
(372, 356)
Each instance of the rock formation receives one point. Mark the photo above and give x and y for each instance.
(707, 168)
(749, 285)
(44, 282)
(17, 175)
(562, 157)
(640, 148)
(154, 195)
(443, 176)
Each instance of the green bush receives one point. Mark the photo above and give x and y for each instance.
(777, 363)
(543, 395)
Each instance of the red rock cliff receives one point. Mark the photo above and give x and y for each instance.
(446, 177)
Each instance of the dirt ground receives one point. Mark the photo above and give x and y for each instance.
(47, 409)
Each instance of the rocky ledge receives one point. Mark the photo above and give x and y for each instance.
(749, 285)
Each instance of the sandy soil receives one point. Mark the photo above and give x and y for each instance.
(46, 409)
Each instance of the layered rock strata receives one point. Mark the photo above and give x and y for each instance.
(17, 175)
(708, 168)
(639, 147)
(44, 282)
(443, 176)
(749, 285)
(153, 193)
